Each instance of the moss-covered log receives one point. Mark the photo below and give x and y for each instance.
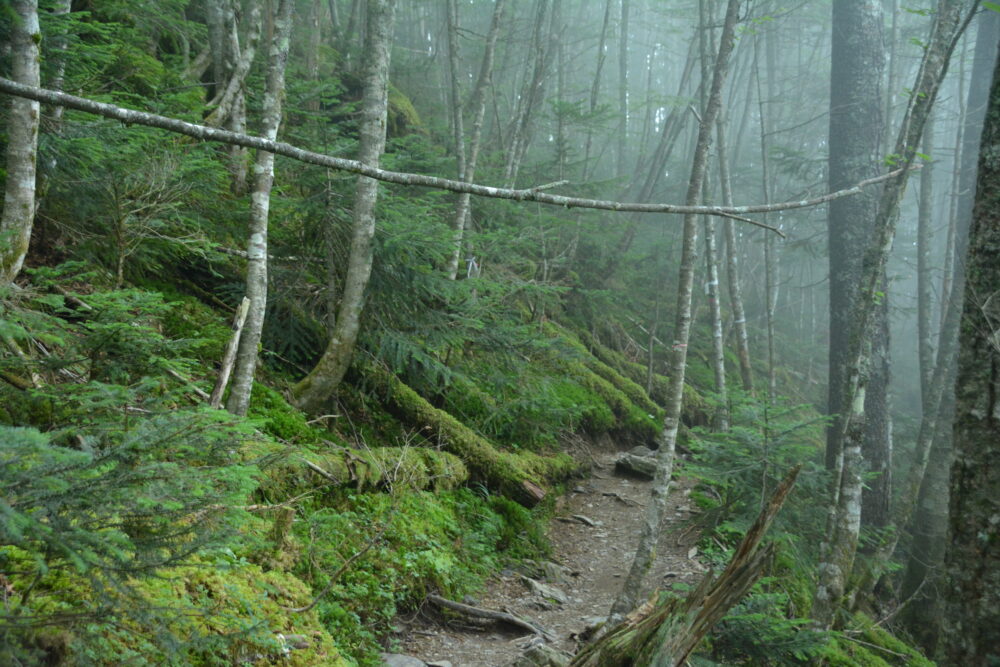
(417, 468)
(695, 410)
(521, 476)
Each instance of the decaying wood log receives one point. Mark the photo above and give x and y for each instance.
(663, 634)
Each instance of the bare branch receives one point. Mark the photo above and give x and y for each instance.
(536, 194)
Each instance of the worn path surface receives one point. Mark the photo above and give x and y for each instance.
(594, 559)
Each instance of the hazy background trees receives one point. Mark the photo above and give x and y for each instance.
(619, 100)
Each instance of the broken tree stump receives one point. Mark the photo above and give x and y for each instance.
(664, 633)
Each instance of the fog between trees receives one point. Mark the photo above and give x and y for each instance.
(625, 193)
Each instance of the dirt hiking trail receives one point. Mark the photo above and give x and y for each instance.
(593, 537)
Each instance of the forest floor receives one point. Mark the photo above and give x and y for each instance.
(594, 560)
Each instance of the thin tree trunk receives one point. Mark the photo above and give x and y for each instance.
(317, 387)
(478, 105)
(770, 259)
(837, 554)
(721, 417)
(22, 143)
(60, 42)
(532, 95)
(925, 212)
(228, 102)
(622, 133)
(260, 202)
(890, 71)
(595, 86)
(732, 264)
(721, 420)
(629, 595)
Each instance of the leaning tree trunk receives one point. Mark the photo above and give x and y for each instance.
(317, 387)
(838, 550)
(22, 144)
(260, 203)
(972, 620)
(643, 559)
(467, 172)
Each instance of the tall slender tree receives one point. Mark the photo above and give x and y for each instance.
(468, 160)
(642, 561)
(317, 387)
(260, 204)
(839, 547)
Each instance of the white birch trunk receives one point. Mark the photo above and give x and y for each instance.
(260, 203)
(22, 144)
(317, 387)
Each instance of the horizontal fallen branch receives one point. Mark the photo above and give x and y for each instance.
(537, 194)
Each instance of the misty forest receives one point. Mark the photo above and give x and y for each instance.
(480, 333)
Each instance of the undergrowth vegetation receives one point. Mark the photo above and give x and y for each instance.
(138, 526)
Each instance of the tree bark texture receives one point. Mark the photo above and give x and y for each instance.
(629, 596)
(972, 621)
(260, 204)
(924, 575)
(22, 143)
(317, 387)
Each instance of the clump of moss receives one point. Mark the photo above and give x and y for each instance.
(878, 648)
(279, 419)
(217, 606)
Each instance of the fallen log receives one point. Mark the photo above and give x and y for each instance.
(518, 476)
(663, 633)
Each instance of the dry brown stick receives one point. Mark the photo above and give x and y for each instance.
(490, 614)
(229, 356)
(205, 133)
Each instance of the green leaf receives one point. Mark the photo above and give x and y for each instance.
(992, 6)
